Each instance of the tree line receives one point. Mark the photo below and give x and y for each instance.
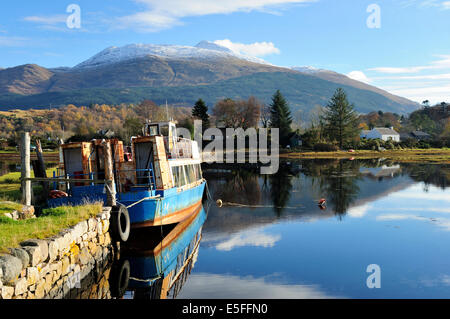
(336, 125)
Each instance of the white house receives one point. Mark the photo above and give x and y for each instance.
(381, 133)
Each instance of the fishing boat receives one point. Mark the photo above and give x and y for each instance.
(157, 180)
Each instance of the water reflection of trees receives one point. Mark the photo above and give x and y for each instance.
(337, 181)
(281, 187)
(429, 174)
(240, 186)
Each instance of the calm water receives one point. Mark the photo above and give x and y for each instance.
(271, 240)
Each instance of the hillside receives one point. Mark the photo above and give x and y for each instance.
(181, 75)
(302, 91)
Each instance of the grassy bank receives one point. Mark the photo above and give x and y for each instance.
(52, 221)
(10, 188)
(407, 155)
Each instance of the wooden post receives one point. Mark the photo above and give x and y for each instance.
(41, 166)
(25, 171)
(61, 155)
(109, 175)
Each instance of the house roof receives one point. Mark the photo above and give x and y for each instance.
(405, 136)
(420, 134)
(386, 131)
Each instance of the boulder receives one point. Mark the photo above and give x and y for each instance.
(7, 292)
(32, 275)
(42, 244)
(22, 255)
(27, 212)
(65, 265)
(11, 267)
(40, 292)
(92, 222)
(53, 250)
(85, 256)
(35, 254)
(21, 287)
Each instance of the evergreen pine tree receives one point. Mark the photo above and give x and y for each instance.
(200, 111)
(341, 119)
(280, 117)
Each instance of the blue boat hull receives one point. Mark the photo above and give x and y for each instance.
(146, 208)
(170, 207)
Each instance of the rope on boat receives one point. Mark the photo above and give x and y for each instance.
(143, 199)
(208, 193)
(145, 280)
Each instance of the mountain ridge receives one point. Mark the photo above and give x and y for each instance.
(161, 67)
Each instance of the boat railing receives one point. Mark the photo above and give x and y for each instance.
(182, 148)
(145, 178)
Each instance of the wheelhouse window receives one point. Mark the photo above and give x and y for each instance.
(179, 178)
(186, 174)
(153, 130)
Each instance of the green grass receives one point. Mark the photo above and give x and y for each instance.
(8, 207)
(50, 223)
(10, 186)
(406, 155)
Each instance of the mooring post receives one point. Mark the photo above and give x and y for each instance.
(109, 175)
(41, 164)
(25, 169)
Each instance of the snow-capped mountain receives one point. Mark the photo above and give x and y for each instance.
(204, 50)
(309, 69)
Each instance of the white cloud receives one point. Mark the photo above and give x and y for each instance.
(203, 285)
(443, 5)
(47, 20)
(359, 211)
(256, 238)
(165, 14)
(257, 49)
(444, 76)
(13, 41)
(442, 63)
(359, 76)
(418, 83)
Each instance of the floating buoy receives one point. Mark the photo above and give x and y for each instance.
(219, 203)
(322, 202)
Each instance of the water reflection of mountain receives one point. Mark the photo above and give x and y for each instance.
(251, 200)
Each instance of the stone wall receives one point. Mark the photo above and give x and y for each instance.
(57, 267)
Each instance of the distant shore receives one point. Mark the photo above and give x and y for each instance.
(407, 155)
(433, 155)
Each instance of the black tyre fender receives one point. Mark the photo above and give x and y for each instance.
(119, 278)
(120, 223)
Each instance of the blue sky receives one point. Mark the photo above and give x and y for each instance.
(408, 55)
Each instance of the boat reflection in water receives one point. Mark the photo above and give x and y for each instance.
(156, 265)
